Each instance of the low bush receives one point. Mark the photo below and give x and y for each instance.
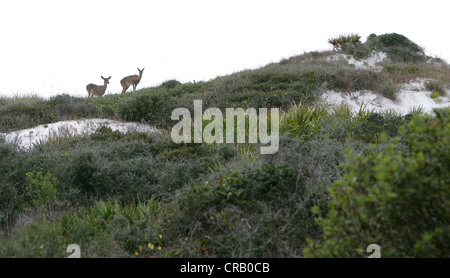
(396, 40)
(239, 215)
(36, 240)
(170, 84)
(41, 189)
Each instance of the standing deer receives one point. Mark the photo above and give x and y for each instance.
(96, 90)
(131, 80)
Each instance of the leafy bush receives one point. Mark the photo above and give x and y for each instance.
(104, 133)
(41, 189)
(170, 84)
(395, 40)
(397, 199)
(398, 47)
(400, 55)
(240, 211)
(36, 240)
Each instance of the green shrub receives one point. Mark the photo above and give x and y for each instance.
(41, 189)
(395, 40)
(400, 55)
(434, 95)
(376, 126)
(8, 203)
(398, 48)
(242, 210)
(170, 84)
(104, 133)
(397, 199)
(36, 240)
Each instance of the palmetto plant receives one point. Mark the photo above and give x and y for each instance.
(340, 41)
(302, 120)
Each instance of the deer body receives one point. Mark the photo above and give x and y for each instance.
(96, 90)
(126, 82)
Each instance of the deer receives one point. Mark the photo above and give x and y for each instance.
(131, 80)
(96, 90)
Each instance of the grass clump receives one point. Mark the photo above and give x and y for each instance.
(434, 85)
(400, 69)
(389, 89)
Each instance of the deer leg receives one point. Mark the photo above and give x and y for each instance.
(125, 87)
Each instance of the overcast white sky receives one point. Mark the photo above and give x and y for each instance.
(49, 47)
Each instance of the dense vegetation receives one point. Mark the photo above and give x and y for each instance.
(339, 182)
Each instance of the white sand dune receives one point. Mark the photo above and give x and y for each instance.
(372, 62)
(26, 138)
(411, 96)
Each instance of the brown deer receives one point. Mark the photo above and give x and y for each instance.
(96, 90)
(126, 82)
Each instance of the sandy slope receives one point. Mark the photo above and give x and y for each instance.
(411, 96)
(26, 138)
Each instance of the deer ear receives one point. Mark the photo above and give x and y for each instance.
(109, 77)
(102, 76)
